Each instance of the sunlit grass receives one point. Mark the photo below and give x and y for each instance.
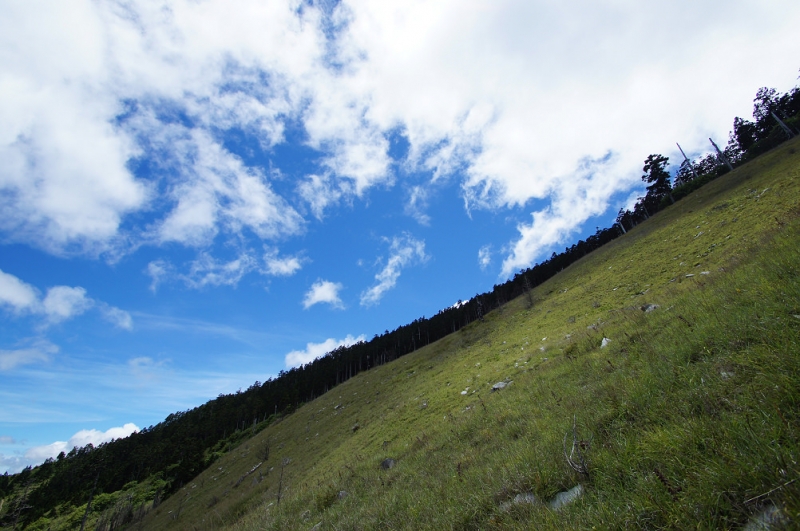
(687, 418)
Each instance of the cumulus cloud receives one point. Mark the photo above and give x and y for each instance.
(16, 294)
(315, 350)
(64, 302)
(281, 267)
(404, 251)
(32, 351)
(61, 303)
(38, 454)
(323, 291)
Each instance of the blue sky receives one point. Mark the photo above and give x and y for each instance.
(197, 195)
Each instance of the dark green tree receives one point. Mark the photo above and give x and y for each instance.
(656, 175)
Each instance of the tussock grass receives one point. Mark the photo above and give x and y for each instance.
(687, 419)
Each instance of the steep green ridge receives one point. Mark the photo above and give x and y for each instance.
(686, 419)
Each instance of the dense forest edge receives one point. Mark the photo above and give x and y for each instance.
(146, 467)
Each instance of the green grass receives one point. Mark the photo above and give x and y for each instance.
(688, 417)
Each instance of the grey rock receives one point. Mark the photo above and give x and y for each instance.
(605, 342)
(519, 499)
(499, 385)
(771, 518)
(342, 494)
(564, 498)
(647, 308)
(388, 463)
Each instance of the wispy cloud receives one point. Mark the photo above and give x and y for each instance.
(484, 257)
(323, 291)
(33, 351)
(417, 204)
(315, 350)
(205, 270)
(404, 251)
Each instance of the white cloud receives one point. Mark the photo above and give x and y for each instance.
(315, 350)
(17, 294)
(117, 317)
(320, 192)
(484, 256)
(404, 251)
(207, 271)
(281, 267)
(217, 191)
(64, 302)
(159, 271)
(417, 204)
(323, 291)
(37, 350)
(59, 304)
(37, 454)
(516, 99)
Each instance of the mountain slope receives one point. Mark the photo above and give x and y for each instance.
(688, 417)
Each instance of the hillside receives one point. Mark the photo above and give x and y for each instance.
(686, 418)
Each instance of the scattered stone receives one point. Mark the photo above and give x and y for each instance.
(725, 375)
(564, 498)
(465, 391)
(355, 427)
(647, 308)
(769, 519)
(519, 499)
(499, 385)
(388, 463)
(337, 406)
(605, 342)
(342, 494)
(705, 272)
(689, 275)
(424, 405)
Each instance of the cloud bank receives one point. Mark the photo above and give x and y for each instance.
(115, 112)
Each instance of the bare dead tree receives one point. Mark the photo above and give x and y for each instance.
(576, 458)
(284, 462)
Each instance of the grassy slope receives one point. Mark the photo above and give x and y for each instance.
(691, 411)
